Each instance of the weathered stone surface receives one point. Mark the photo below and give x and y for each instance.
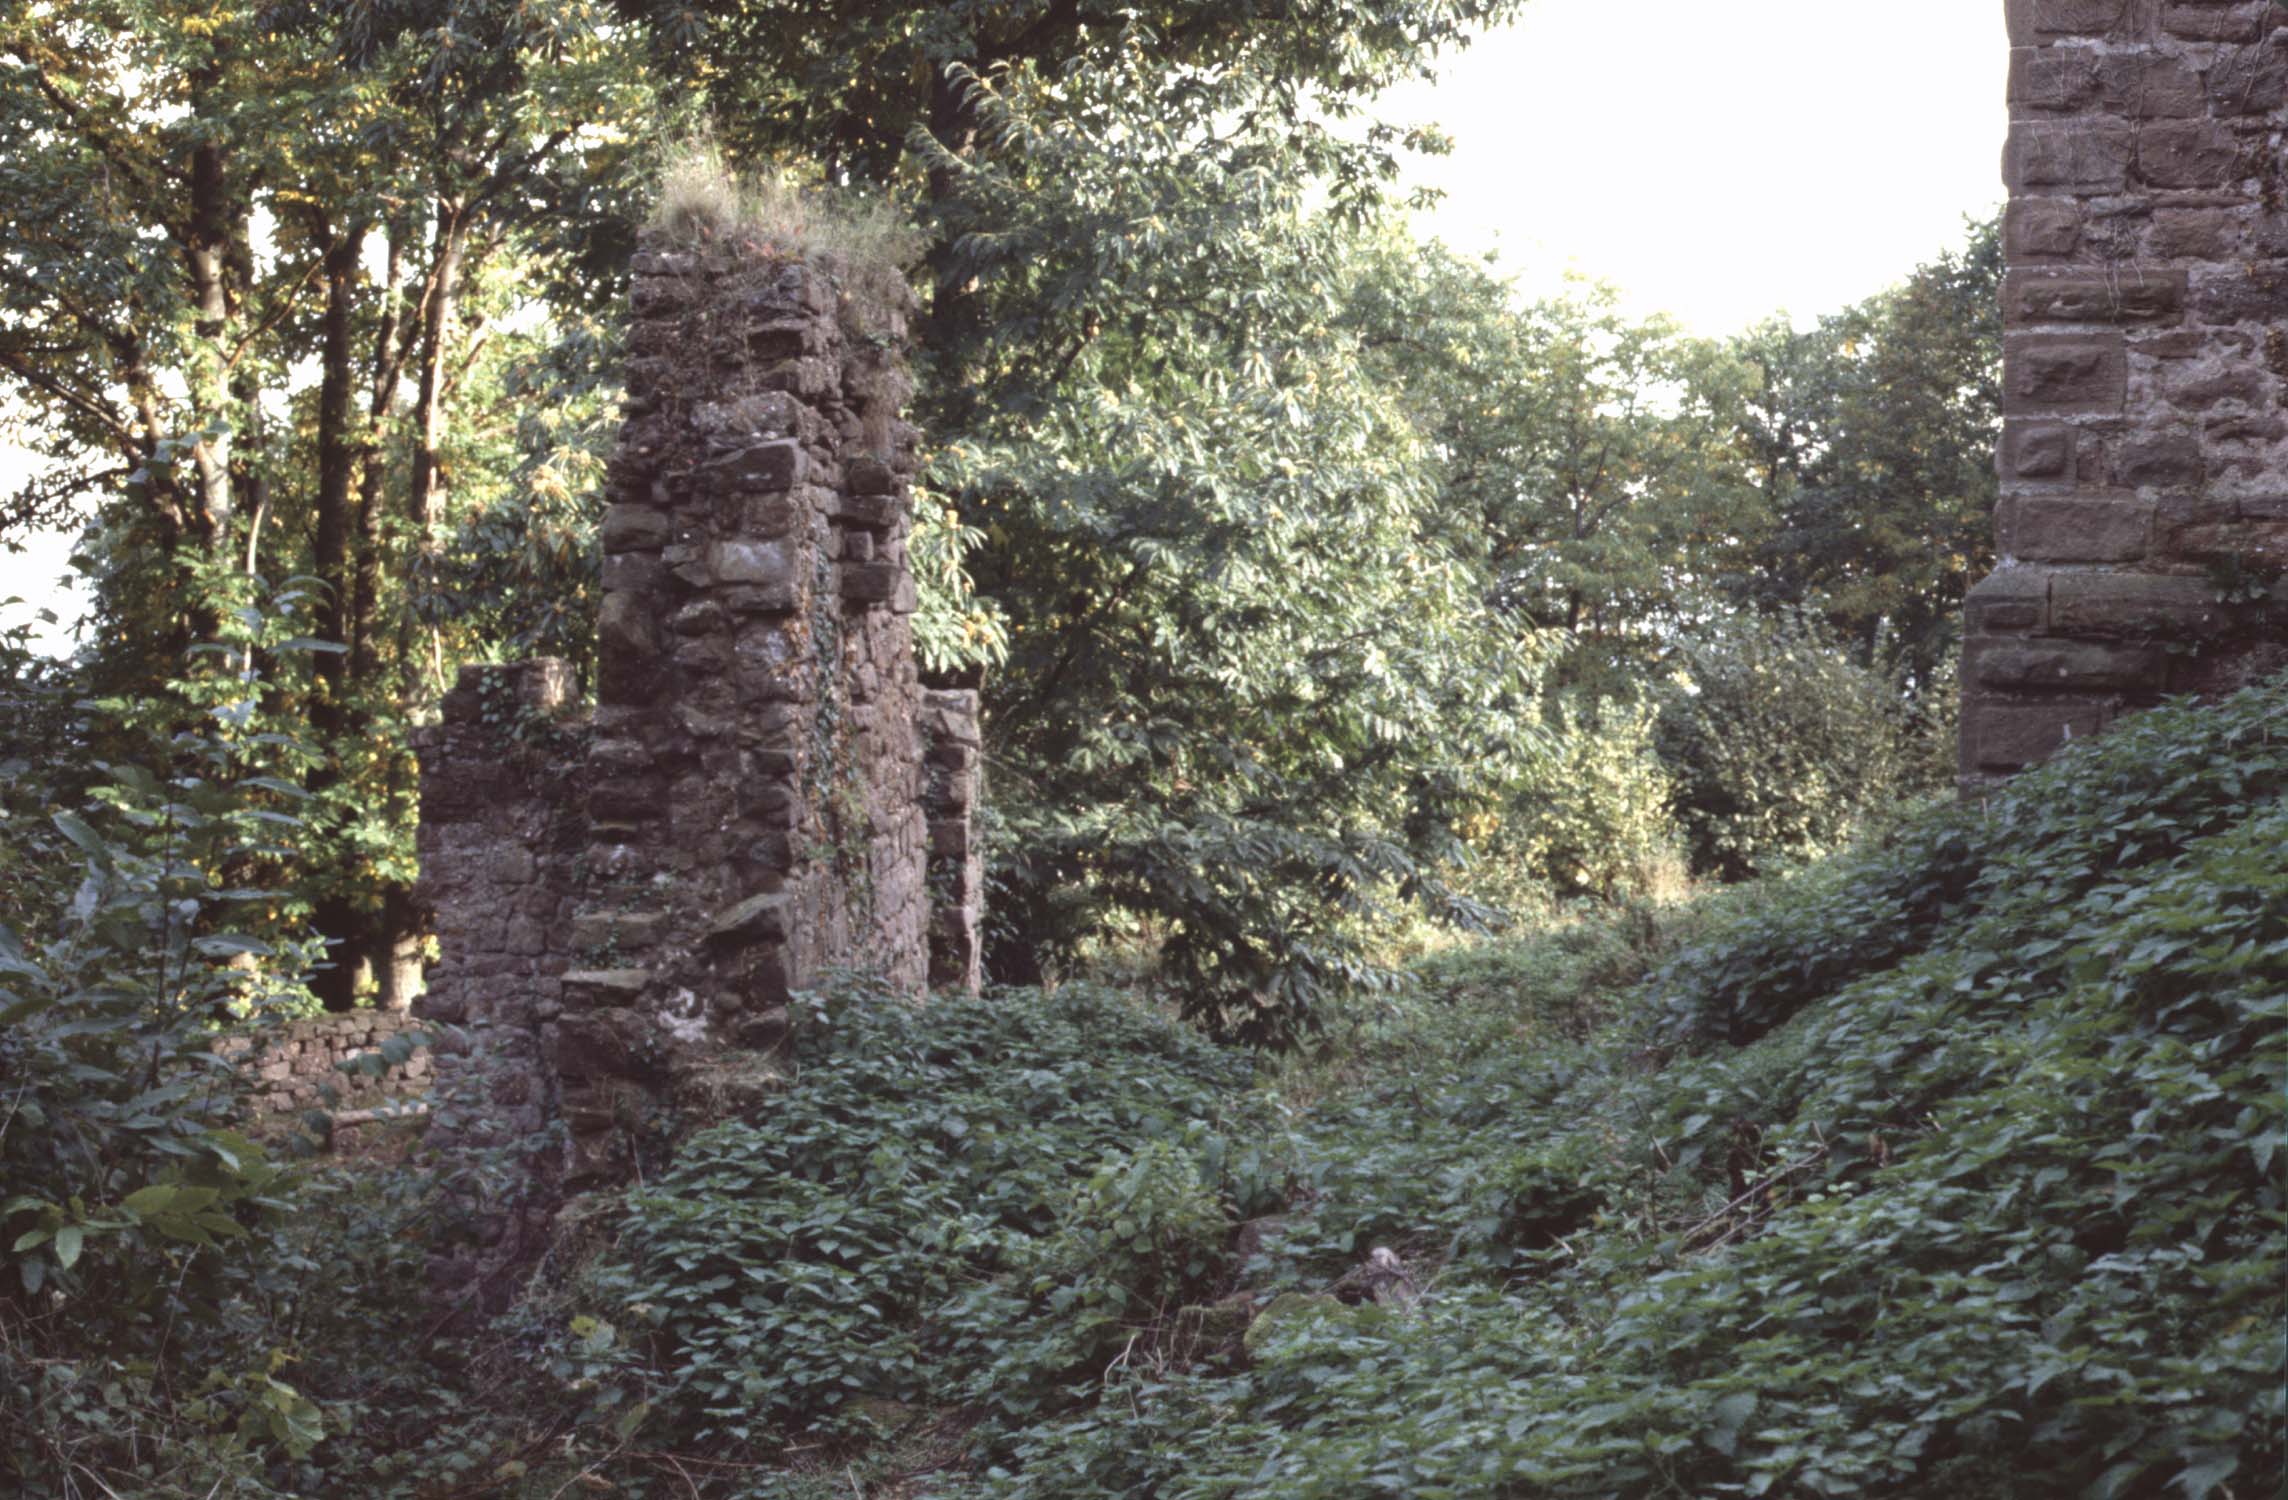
(2131, 85)
(2187, 154)
(600, 989)
(635, 528)
(2076, 528)
(870, 582)
(2012, 599)
(2132, 604)
(2041, 228)
(2080, 665)
(300, 1065)
(2075, 158)
(2002, 737)
(2065, 373)
(744, 562)
(2039, 20)
(757, 466)
(2047, 295)
(758, 919)
(2033, 450)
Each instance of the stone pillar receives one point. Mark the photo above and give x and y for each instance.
(755, 786)
(2143, 525)
(747, 807)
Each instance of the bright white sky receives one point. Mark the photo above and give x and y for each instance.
(1716, 159)
(1720, 159)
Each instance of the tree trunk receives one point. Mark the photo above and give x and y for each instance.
(428, 488)
(337, 463)
(333, 714)
(389, 347)
(208, 249)
(401, 962)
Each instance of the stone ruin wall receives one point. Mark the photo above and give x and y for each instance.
(627, 903)
(2143, 526)
(297, 1066)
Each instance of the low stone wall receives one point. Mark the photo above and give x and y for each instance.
(288, 1067)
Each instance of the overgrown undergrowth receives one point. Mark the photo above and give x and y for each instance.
(1950, 1168)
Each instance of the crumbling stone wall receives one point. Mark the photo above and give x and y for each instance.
(503, 843)
(293, 1067)
(764, 790)
(952, 793)
(2143, 525)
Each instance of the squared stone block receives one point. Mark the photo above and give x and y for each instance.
(2171, 460)
(2212, 21)
(2062, 373)
(870, 582)
(2080, 156)
(2124, 84)
(2115, 294)
(2042, 228)
(2006, 664)
(2011, 736)
(635, 528)
(2036, 20)
(757, 467)
(750, 562)
(875, 512)
(2076, 528)
(2037, 450)
(2251, 80)
(2010, 599)
(2249, 290)
(2187, 154)
(2136, 605)
(869, 475)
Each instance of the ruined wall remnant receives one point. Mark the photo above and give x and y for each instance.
(764, 790)
(952, 792)
(2143, 526)
(298, 1066)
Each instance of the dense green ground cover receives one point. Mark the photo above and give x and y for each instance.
(1950, 1168)
(1947, 1168)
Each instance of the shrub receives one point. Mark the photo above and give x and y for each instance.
(138, 1223)
(1590, 818)
(1782, 746)
(863, 238)
(964, 1199)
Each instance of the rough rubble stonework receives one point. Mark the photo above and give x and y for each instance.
(764, 790)
(298, 1066)
(2143, 526)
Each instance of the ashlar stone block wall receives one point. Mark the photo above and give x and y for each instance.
(2143, 525)
(764, 790)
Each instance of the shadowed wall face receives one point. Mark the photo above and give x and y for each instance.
(626, 904)
(2143, 526)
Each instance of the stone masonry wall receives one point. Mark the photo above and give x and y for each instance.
(292, 1067)
(952, 792)
(764, 791)
(503, 844)
(2143, 526)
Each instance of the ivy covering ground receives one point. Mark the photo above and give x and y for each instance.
(1949, 1169)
